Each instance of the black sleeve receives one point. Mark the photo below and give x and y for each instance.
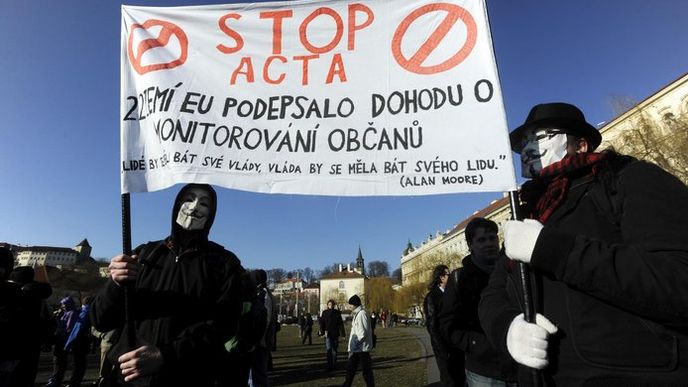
(497, 310)
(429, 312)
(647, 272)
(449, 317)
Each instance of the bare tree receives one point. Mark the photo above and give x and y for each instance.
(410, 297)
(396, 275)
(277, 275)
(661, 141)
(423, 271)
(378, 269)
(327, 270)
(308, 275)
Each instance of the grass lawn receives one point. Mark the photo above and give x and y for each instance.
(397, 360)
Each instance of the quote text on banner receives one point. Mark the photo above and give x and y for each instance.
(395, 97)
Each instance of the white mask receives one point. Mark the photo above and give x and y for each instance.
(195, 209)
(541, 148)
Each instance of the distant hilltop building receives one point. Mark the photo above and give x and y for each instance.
(654, 130)
(60, 257)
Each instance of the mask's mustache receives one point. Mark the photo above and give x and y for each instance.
(190, 213)
(530, 157)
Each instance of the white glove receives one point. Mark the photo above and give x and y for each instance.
(527, 343)
(520, 238)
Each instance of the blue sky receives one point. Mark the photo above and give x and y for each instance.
(59, 128)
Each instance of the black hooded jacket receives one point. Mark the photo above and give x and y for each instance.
(460, 326)
(187, 302)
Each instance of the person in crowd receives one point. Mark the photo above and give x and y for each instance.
(66, 317)
(106, 340)
(259, 358)
(360, 345)
(383, 318)
(373, 325)
(605, 238)
(25, 321)
(185, 300)
(373, 320)
(332, 327)
(301, 322)
(79, 343)
(432, 305)
(458, 318)
(307, 329)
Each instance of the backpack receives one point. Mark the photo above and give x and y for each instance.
(253, 322)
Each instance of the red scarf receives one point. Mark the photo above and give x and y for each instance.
(544, 194)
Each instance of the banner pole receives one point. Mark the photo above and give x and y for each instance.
(129, 285)
(524, 274)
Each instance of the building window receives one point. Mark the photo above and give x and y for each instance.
(341, 284)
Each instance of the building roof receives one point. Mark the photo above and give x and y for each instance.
(492, 207)
(342, 275)
(84, 243)
(39, 249)
(294, 280)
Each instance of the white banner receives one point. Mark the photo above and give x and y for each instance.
(379, 97)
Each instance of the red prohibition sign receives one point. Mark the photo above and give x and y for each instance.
(454, 13)
(168, 29)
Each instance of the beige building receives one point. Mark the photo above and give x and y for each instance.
(656, 130)
(342, 285)
(449, 248)
(60, 257)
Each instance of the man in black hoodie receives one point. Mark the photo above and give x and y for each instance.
(186, 303)
(458, 318)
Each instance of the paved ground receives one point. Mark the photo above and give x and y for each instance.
(432, 371)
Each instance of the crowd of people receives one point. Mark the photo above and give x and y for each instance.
(604, 237)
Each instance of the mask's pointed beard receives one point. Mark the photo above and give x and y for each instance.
(188, 220)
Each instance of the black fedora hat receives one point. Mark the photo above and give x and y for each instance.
(556, 115)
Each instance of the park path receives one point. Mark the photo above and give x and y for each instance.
(433, 372)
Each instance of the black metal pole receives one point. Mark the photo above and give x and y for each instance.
(524, 274)
(128, 286)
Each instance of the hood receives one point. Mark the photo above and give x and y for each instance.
(68, 302)
(185, 237)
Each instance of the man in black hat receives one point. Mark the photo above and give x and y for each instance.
(360, 345)
(186, 303)
(606, 241)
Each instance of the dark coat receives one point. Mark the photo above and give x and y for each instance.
(331, 322)
(432, 305)
(610, 269)
(460, 326)
(187, 306)
(186, 302)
